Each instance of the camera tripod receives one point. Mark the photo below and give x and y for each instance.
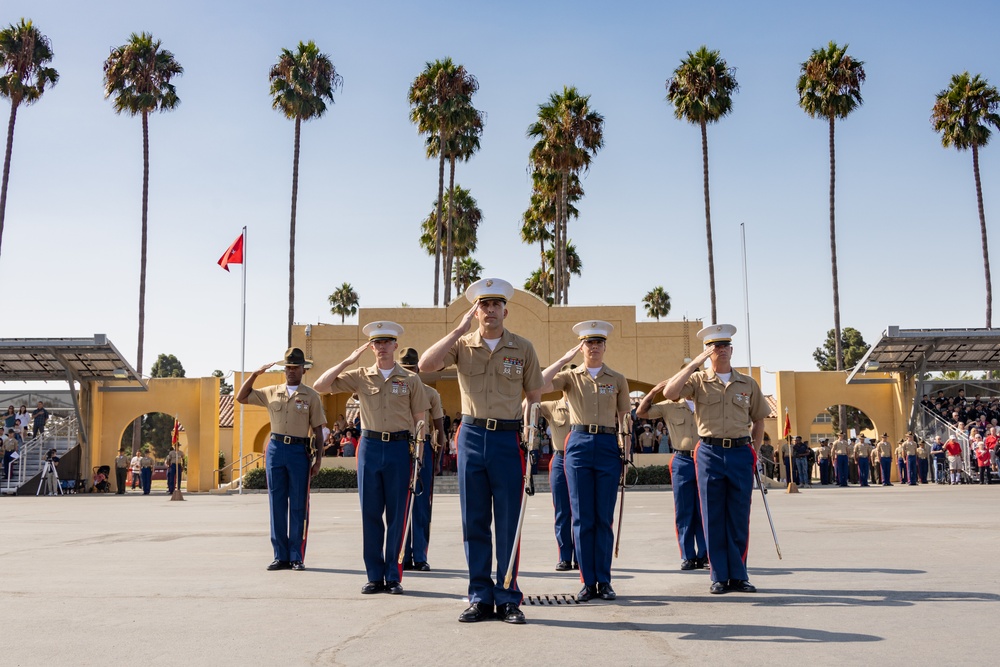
(49, 478)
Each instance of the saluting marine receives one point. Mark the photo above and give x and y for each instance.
(598, 401)
(294, 409)
(729, 409)
(419, 538)
(556, 413)
(679, 417)
(495, 367)
(392, 401)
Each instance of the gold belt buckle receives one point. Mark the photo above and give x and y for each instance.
(491, 424)
(592, 429)
(727, 443)
(385, 436)
(287, 439)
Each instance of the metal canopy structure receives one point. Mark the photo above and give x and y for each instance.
(62, 359)
(913, 351)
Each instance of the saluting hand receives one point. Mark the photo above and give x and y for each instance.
(263, 369)
(357, 354)
(466, 322)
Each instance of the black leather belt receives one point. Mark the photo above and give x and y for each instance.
(593, 429)
(289, 439)
(385, 436)
(493, 424)
(727, 443)
(682, 452)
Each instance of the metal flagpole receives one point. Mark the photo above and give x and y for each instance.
(746, 297)
(243, 347)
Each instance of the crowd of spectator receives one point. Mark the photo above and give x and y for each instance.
(975, 420)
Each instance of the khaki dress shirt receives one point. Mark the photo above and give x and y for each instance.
(290, 415)
(387, 403)
(680, 423)
(724, 410)
(593, 400)
(556, 413)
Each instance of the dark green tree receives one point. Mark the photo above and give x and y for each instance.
(657, 303)
(701, 91)
(24, 54)
(302, 81)
(963, 113)
(224, 387)
(166, 366)
(344, 301)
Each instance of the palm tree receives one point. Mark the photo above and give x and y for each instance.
(467, 271)
(541, 214)
(137, 75)
(466, 218)
(963, 113)
(830, 88)
(24, 52)
(568, 134)
(701, 91)
(344, 301)
(657, 303)
(440, 100)
(301, 84)
(540, 284)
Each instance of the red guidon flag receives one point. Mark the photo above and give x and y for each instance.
(788, 425)
(234, 255)
(175, 436)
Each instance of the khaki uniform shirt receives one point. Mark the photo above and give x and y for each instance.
(921, 452)
(593, 400)
(290, 415)
(556, 413)
(841, 447)
(680, 423)
(121, 462)
(724, 410)
(909, 448)
(647, 439)
(146, 462)
(174, 457)
(492, 381)
(387, 403)
(823, 453)
(862, 450)
(884, 450)
(437, 410)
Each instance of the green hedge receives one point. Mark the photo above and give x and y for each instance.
(328, 478)
(650, 475)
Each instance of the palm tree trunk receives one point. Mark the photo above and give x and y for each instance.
(837, 347)
(708, 222)
(449, 252)
(437, 222)
(564, 265)
(545, 277)
(137, 424)
(6, 167)
(982, 231)
(556, 235)
(291, 231)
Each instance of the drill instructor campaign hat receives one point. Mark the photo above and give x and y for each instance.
(295, 357)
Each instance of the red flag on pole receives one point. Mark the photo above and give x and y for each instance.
(175, 436)
(788, 425)
(234, 255)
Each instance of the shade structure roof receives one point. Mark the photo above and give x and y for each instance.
(61, 359)
(932, 351)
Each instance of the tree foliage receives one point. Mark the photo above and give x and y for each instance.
(24, 76)
(167, 366)
(851, 342)
(657, 303)
(344, 301)
(224, 387)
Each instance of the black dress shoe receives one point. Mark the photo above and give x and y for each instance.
(563, 566)
(701, 563)
(742, 586)
(408, 565)
(422, 567)
(477, 611)
(605, 592)
(586, 594)
(373, 587)
(510, 613)
(279, 565)
(717, 588)
(298, 565)
(689, 564)
(393, 588)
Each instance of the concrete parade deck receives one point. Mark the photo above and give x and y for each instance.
(879, 576)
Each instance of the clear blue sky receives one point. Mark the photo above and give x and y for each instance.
(908, 232)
